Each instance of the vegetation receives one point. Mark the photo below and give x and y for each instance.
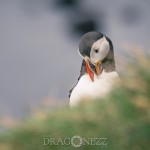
(120, 122)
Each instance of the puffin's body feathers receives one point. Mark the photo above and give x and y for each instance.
(86, 89)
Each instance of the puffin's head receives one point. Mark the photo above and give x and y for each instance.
(95, 48)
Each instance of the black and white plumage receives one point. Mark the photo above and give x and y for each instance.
(98, 73)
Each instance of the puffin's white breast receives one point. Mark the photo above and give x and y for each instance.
(88, 89)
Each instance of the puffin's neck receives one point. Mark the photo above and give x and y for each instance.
(108, 65)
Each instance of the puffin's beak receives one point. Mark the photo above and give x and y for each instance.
(89, 70)
(98, 71)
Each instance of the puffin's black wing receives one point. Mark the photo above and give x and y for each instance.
(82, 72)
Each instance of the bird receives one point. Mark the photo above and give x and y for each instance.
(98, 73)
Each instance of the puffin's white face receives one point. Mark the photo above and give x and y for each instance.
(99, 50)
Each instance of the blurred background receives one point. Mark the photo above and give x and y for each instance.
(39, 61)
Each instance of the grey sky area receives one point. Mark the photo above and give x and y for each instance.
(38, 49)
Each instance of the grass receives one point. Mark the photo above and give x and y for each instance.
(122, 120)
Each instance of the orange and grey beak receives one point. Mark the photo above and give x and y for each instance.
(89, 70)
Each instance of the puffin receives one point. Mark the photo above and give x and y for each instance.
(98, 73)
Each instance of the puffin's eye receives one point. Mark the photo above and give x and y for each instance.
(96, 50)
